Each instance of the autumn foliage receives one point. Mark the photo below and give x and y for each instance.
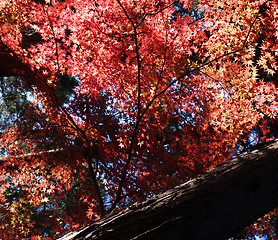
(127, 98)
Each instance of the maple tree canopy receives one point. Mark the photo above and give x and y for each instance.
(214, 205)
(109, 102)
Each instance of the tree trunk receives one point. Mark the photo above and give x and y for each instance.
(215, 205)
(10, 65)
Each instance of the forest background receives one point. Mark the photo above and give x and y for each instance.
(105, 103)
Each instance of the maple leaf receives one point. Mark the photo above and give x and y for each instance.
(140, 143)
(36, 237)
(190, 81)
(90, 213)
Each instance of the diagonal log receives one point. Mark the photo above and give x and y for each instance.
(214, 206)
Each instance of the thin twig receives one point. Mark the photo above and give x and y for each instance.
(138, 118)
(211, 61)
(55, 39)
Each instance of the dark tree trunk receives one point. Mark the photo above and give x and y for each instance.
(11, 65)
(215, 205)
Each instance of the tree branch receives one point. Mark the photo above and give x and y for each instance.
(138, 118)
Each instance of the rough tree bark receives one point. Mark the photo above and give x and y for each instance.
(213, 206)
